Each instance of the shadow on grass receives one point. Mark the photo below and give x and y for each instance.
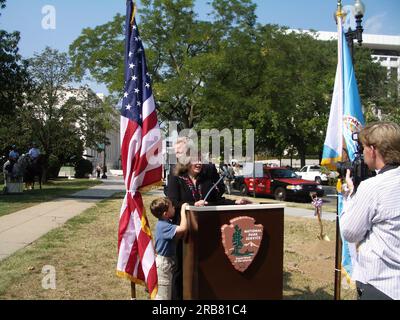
(305, 293)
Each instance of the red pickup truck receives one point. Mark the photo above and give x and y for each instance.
(281, 183)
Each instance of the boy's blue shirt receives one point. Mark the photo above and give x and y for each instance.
(165, 242)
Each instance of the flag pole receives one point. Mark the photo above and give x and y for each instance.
(133, 291)
(133, 284)
(338, 249)
(136, 254)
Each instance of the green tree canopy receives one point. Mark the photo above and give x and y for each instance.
(379, 93)
(13, 85)
(179, 48)
(275, 82)
(229, 72)
(99, 53)
(60, 118)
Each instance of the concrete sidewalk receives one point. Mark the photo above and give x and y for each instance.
(19, 229)
(304, 213)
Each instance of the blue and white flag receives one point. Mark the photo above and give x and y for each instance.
(333, 146)
(353, 121)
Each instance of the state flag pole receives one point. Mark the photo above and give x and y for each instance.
(351, 121)
(337, 117)
(338, 253)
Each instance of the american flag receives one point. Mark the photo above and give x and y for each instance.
(141, 162)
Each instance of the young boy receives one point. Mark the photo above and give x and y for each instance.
(166, 234)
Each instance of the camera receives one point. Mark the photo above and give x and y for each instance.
(359, 170)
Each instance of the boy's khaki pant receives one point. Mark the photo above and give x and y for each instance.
(165, 266)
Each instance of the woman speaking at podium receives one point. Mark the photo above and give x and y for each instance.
(197, 184)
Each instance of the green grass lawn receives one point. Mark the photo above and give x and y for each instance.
(83, 253)
(50, 190)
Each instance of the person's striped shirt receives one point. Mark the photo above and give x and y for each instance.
(371, 218)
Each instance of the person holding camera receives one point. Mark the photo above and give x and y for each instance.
(371, 216)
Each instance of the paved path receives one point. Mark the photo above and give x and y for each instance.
(19, 229)
(304, 213)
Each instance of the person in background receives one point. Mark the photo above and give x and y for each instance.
(224, 170)
(371, 217)
(13, 154)
(236, 169)
(166, 235)
(34, 152)
(230, 178)
(98, 171)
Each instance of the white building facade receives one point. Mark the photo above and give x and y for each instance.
(111, 158)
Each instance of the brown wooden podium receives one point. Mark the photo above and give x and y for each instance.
(208, 274)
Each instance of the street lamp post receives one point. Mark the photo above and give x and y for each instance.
(356, 34)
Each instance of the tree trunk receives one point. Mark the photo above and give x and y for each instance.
(45, 168)
(302, 155)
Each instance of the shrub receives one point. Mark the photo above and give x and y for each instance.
(83, 168)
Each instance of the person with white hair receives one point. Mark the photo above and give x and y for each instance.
(190, 183)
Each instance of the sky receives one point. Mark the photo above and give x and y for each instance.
(57, 23)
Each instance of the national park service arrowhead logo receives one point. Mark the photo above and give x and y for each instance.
(241, 240)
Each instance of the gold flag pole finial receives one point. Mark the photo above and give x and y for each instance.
(133, 12)
(340, 13)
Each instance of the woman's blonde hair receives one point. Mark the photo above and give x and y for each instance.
(181, 168)
(385, 137)
(186, 154)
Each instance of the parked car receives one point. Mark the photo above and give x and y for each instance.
(316, 173)
(281, 183)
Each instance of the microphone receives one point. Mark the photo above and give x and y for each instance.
(224, 174)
